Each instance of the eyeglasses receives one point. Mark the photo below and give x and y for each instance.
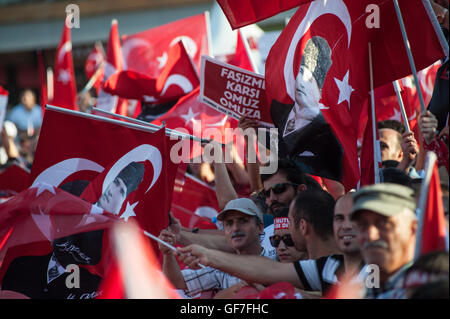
(277, 189)
(276, 239)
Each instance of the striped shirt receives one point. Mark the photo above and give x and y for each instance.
(320, 274)
(209, 278)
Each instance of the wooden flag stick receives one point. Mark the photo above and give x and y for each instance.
(410, 57)
(93, 78)
(402, 105)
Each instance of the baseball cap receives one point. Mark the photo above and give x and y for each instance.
(386, 199)
(242, 205)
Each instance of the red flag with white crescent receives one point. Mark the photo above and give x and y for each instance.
(178, 78)
(114, 64)
(64, 84)
(93, 62)
(317, 76)
(129, 169)
(147, 52)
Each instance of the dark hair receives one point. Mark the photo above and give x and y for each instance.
(396, 176)
(316, 207)
(392, 124)
(317, 58)
(290, 170)
(435, 290)
(390, 163)
(435, 262)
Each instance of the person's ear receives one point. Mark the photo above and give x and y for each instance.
(301, 187)
(303, 226)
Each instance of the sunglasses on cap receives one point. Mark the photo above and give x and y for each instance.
(276, 239)
(277, 189)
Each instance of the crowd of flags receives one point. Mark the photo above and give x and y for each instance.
(162, 65)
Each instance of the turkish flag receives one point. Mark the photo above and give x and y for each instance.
(134, 272)
(241, 57)
(93, 62)
(146, 52)
(64, 84)
(14, 179)
(244, 12)
(194, 202)
(190, 116)
(114, 64)
(132, 179)
(42, 220)
(43, 89)
(178, 78)
(434, 225)
(317, 77)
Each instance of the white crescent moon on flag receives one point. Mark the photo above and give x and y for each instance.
(180, 80)
(139, 154)
(56, 174)
(316, 9)
(65, 48)
(190, 45)
(130, 45)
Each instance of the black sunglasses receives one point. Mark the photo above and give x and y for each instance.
(276, 239)
(277, 189)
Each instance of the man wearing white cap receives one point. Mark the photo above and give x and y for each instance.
(242, 225)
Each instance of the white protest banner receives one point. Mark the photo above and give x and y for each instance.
(234, 91)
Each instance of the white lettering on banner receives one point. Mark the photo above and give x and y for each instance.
(242, 93)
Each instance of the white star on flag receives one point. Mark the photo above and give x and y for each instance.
(397, 116)
(220, 123)
(129, 211)
(41, 187)
(345, 89)
(64, 76)
(162, 60)
(44, 224)
(189, 117)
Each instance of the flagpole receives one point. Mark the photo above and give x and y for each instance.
(410, 57)
(93, 78)
(376, 148)
(420, 211)
(436, 26)
(402, 105)
(168, 130)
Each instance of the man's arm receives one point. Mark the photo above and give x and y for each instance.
(170, 265)
(256, 269)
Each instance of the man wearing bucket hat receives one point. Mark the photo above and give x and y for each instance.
(386, 225)
(242, 223)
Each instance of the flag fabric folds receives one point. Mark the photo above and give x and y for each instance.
(317, 77)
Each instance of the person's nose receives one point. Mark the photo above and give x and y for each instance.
(372, 233)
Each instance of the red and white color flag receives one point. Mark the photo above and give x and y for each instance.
(134, 179)
(114, 64)
(134, 272)
(432, 224)
(42, 220)
(177, 78)
(242, 56)
(194, 202)
(147, 52)
(64, 84)
(244, 12)
(317, 76)
(94, 61)
(3, 104)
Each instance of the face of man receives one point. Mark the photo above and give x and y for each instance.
(28, 100)
(344, 228)
(285, 253)
(307, 93)
(114, 196)
(296, 234)
(386, 241)
(274, 201)
(391, 148)
(241, 230)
